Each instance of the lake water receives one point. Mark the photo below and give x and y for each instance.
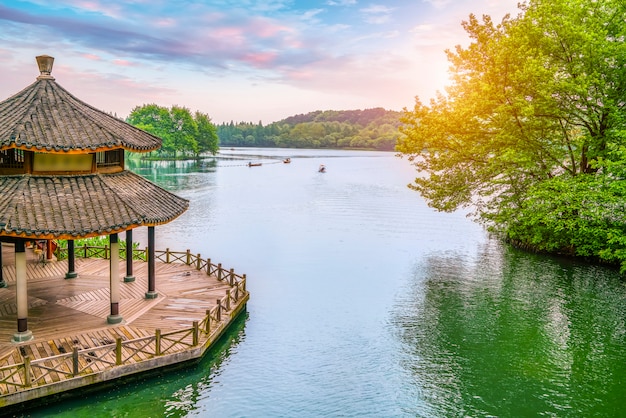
(367, 303)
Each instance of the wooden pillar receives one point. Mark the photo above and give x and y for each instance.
(151, 293)
(2, 282)
(129, 257)
(114, 274)
(21, 293)
(49, 250)
(71, 259)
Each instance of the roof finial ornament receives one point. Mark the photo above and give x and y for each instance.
(45, 66)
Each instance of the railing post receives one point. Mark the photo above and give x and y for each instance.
(27, 381)
(208, 266)
(243, 282)
(84, 250)
(207, 325)
(118, 351)
(198, 262)
(231, 279)
(75, 361)
(188, 257)
(167, 255)
(196, 330)
(157, 342)
(219, 272)
(227, 299)
(218, 314)
(106, 251)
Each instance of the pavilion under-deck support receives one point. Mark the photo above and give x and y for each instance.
(21, 292)
(151, 293)
(114, 260)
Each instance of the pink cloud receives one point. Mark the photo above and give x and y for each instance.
(91, 57)
(265, 28)
(260, 59)
(165, 22)
(123, 63)
(106, 8)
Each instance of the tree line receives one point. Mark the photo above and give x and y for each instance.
(189, 135)
(376, 129)
(531, 133)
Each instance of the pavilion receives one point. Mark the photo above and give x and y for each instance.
(62, 176)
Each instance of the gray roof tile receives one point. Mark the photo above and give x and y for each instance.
(86, 205)
(46, 117)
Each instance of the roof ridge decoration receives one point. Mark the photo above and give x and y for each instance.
(45, 63)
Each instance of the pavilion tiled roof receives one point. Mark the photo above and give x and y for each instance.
(46, 117)
(49, 207)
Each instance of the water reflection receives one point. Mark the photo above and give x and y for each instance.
(174, 175)
(365, 302)
(513, 334)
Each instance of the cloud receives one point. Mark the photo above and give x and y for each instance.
(337, 50)
(123, 63)
(377, 14)
(438, 4)
(341, 2)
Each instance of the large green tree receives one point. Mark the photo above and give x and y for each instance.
(182, 133)
(530, 131)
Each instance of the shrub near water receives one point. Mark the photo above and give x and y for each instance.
(98, 243)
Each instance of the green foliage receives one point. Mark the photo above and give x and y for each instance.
(97, 243)
(183, 134)
(366, 129)
(531, 131)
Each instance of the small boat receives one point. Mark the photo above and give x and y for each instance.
(322, 169)
(254, 164)
(287, 160)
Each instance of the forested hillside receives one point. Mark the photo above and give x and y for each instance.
(363, 129)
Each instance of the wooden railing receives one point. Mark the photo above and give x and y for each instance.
(37, 372)
(235, 281)
(30, 373)
(167, 256)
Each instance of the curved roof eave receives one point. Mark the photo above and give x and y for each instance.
(71, 207)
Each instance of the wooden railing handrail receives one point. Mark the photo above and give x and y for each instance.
(69, 364)
(165, 256)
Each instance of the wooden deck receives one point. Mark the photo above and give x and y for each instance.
(68, 315)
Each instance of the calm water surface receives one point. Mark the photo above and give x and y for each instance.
(365, 302)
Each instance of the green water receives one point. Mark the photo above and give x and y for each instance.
(366, 303)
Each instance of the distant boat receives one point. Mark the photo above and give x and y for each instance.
(322, 169)
(287, 160)
(254, 164)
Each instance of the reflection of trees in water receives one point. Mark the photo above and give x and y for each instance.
(512, 334)
(173, 174)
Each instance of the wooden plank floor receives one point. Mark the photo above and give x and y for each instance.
(64, 313)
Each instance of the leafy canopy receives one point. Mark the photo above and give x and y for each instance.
(531, 130)
(181, 132)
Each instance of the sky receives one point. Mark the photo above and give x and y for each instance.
(244, 60)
